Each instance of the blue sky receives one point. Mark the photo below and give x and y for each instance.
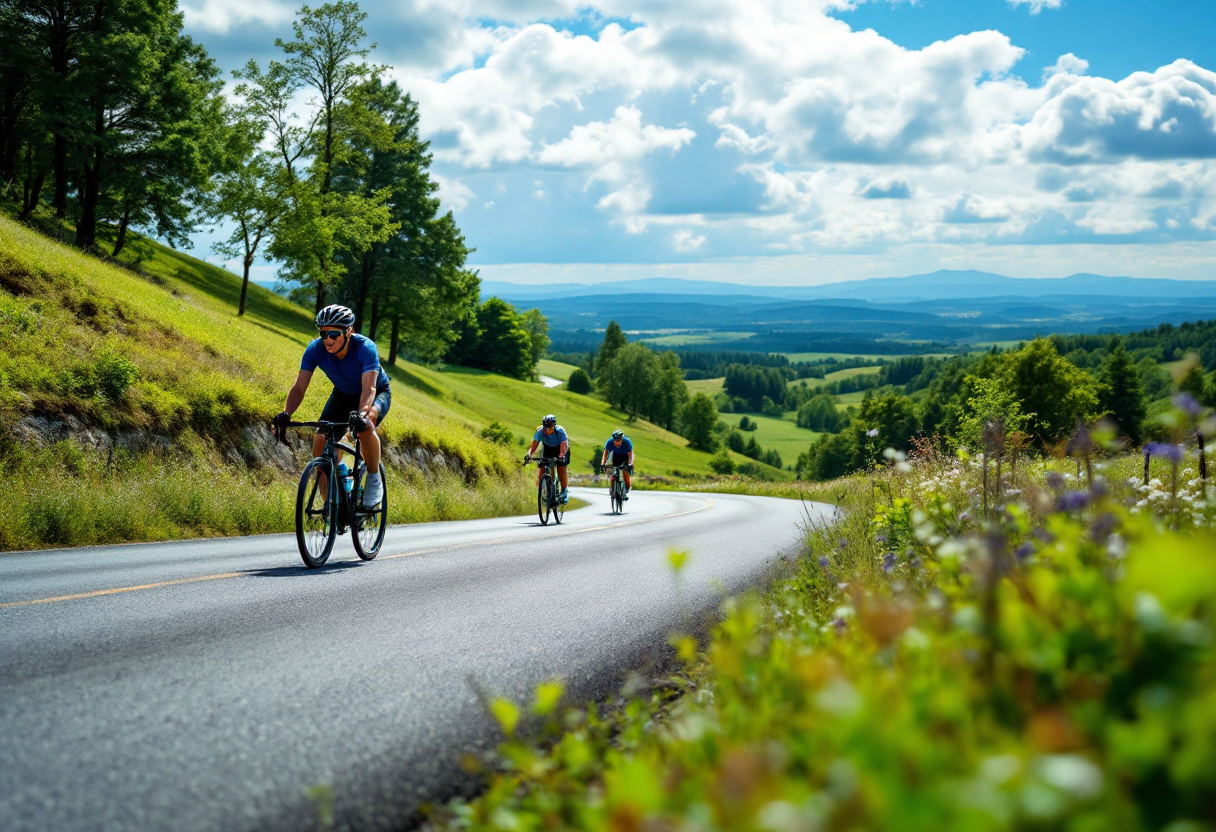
(770, 142)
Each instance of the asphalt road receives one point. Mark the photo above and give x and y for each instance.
(208, 685)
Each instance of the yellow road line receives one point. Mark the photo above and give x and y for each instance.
(97, 593)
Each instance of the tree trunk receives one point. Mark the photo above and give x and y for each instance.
(121, 239)
(31, 193)
(320, 296)
(59, 198)
(244, 286)
(86, 228)
(365, 282)
(394, 341)
(375, 318)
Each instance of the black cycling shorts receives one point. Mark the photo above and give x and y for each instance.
(550, 451)
(619, 460)
(340, 405)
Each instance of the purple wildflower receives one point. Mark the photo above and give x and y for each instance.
(1186, 403)
(881, 537)
(1072, 501)
(1044, 535)
(1055, 480)
(914, 563)
(888, 562)
(823, 561)
(844, 543)
(1165, 450)
(1099, 487)
(841, 625)
(1103, 526)
(1023, 551)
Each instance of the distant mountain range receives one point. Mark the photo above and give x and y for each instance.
(939, 285)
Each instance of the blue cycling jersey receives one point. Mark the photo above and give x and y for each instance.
(554, 439)
(625, 447)
(346, 373)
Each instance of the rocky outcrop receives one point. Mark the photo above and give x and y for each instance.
(254, 446)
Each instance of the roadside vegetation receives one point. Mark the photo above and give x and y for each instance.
(971, 645)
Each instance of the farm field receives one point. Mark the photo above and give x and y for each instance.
(781, 435)
(555, 369)
(662, 342)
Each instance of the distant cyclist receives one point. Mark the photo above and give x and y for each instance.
(352, 363)
(552, 437)
(622, 456)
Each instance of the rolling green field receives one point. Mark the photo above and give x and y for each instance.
(781, 435)
(555, 369)
(660, 342)
(712, 386)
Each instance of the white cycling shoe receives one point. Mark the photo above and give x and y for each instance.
(373, 491)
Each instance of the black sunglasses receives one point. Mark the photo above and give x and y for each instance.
(331, 334)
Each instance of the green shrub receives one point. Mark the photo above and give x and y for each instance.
(113, 373)
(579, 382)
(496, 431)
(721, 463)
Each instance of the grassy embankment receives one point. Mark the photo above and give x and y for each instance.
(154, 356)
(921, 666)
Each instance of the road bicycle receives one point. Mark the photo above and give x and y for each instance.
(616, 489)
(323, 513)
(548, 493)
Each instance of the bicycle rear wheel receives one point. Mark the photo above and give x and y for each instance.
(315, 526)
(368, 526)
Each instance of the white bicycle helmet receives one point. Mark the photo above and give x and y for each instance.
(335, 315)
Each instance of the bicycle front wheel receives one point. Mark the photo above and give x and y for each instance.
(559, 508)
(617, 503)
(542, 499)
(369, 526)
(315, 526)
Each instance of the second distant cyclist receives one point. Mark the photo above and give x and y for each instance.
(621, 450)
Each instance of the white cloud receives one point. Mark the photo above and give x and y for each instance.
(684, 241)
(1067, 64)
(1037, 6)
(219, 16)
(453, 193)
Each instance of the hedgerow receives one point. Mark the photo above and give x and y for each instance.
(954, 652)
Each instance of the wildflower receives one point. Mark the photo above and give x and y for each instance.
(1186, 403)
(1103, 526)
(1055, 480)
(1023, 551)
(888, 562)
(872, 433)
(823, 561)
(843, 544)
(1072, 501)
(1165, 450)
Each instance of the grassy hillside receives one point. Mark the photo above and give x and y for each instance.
(118, 376)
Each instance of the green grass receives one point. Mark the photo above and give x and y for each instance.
(781, 435)
(555, 369)
(660, 342)
(712, 386)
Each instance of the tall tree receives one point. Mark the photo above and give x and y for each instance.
(1053, 392)
(669, 392)
(628, 378)
(697, 420)
(1121, 394)
(614, 339)
(327, 56)
(245, 193)
(538, 328)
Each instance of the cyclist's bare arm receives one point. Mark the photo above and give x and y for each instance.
(368, 398)
(532, 450)
(296, 394)
(563, 449)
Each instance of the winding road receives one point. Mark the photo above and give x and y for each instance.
(215, 684)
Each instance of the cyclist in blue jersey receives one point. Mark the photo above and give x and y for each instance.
(552, 438)
(622, 456)
(352, 363)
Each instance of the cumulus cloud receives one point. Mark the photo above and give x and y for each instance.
(684, 241)
(219, 16)
(453, 193)
(887, 189)
(1037, 6)
(1167, 114)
